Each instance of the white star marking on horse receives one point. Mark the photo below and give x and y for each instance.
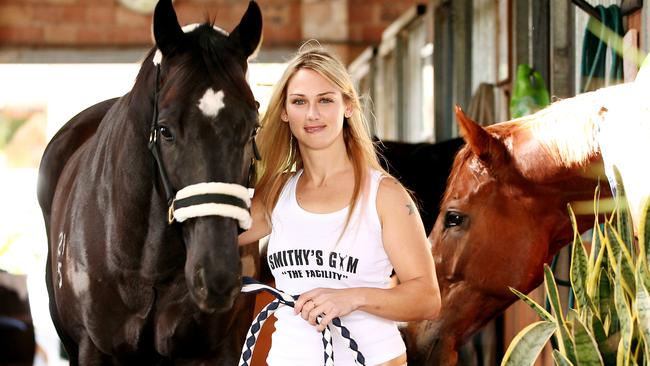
(211, 103)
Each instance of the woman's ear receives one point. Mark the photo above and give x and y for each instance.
(283, 116)
(348, 109)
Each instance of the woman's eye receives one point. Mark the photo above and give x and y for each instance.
(453, 218)
(298, 102)
(326, 100)
(166, 133)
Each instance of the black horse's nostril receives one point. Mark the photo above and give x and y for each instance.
(225, 284)
(219, 284)
(200, 283)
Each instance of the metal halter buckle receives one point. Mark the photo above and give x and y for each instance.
(170, 214)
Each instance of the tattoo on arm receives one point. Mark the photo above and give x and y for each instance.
(411, 208)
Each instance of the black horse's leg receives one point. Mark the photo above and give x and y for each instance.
(89, 355)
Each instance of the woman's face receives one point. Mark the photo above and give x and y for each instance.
(314, 110)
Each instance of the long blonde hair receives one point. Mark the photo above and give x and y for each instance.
(279, 149)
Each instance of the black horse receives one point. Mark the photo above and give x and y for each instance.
(127, 286)
(423, 168)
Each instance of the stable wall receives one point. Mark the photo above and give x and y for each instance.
(33, 25)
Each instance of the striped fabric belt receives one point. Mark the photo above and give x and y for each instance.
(253, 286)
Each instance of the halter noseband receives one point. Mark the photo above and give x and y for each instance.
(202, 199)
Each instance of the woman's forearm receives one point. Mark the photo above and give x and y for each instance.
(422, 301)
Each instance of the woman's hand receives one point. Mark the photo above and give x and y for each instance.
(330, 303)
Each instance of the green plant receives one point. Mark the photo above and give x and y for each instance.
(8, 128)
(610, 324)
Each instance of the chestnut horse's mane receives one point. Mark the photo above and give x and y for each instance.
(567, 130)
(565, 133)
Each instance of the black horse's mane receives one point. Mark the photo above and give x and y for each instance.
(204, 48)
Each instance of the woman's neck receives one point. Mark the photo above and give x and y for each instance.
(320, 165)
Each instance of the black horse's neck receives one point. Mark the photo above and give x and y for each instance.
(136, 199)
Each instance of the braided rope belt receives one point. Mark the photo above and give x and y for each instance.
(253, 286)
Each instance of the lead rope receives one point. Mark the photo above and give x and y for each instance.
(253, 286)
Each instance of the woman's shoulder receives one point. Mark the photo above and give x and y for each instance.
(391, 194)
(390, 187)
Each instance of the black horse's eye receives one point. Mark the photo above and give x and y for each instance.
(254, 133)
(453, 218)
(166, 133)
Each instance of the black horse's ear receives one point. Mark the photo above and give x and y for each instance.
(248, 33)
(166, 30)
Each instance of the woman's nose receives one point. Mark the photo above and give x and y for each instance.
(312, 112)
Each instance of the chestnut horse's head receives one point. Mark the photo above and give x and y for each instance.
(503, 215)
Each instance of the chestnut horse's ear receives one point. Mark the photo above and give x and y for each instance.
(248, 33)
(166, 30)
(487, 147)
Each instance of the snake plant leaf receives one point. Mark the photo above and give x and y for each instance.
(619, 255)
(593, 275)
(607, 351)
(642, 306)
(545, 315)
(644, 233)
(608, 348)
(623, 214)
(579, 267)
(527, 344)
(564, 340)
(643, 276)
(605, 302)
(598, 328)
(560, 360)
(587, 353)
(595, 240)
(626, 320)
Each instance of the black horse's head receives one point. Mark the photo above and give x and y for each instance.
(204, 120)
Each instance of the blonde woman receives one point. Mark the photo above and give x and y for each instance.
(339, 223)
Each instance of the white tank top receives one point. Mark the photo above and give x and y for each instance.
(303, 254)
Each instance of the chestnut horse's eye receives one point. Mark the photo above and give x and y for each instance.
(453, 218)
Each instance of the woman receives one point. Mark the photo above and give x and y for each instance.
(339, 224)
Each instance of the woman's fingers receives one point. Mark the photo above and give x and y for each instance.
(325, 321)
(300, 304)
(303, 300)
(327, 303)
(314, 313)
(306, 309)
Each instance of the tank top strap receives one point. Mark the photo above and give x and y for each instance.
(288, 191)
(374, 180)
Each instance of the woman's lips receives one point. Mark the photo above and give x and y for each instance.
(314, 129)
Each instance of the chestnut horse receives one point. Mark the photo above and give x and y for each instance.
(142, 197)
(504, 213)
